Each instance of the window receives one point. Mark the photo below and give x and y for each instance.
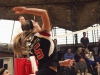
(67, 37)
(8, 29)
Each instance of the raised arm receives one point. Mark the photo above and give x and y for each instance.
(38, 12)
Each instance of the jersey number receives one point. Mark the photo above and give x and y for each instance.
(38, 51)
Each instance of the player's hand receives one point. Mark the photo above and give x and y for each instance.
(68, 63)
(19, 10)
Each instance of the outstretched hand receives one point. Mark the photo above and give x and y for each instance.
(67, 63)
(19, 10)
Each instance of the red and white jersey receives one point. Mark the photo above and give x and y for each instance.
(43, 49)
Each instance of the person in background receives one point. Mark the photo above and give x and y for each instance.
(56, 46)
(4, 71)
(32, 25)
(79, 54)
(89, 58)
(70, 55)
(81, 67)
(21, 19)
(84, 41)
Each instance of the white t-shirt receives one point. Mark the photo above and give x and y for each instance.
(90, 56)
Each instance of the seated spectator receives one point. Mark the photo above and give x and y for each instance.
(89, 58)
(79, 54)
(69, 55)
(97, 60)
(4, 71)
(81, 67)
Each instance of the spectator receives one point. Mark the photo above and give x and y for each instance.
(56, 46)
(81, 67)
(84, 41)
(69, 54)
(21, 19)
(79, 54)
(4, 71)
(90, 58)
(32, 24)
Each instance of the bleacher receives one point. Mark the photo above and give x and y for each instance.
(63, 50)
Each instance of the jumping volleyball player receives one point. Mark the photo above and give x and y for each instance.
(42, 45)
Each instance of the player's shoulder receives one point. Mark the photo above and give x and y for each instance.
(44, 33)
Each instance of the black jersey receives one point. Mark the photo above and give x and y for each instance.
(43, 49)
